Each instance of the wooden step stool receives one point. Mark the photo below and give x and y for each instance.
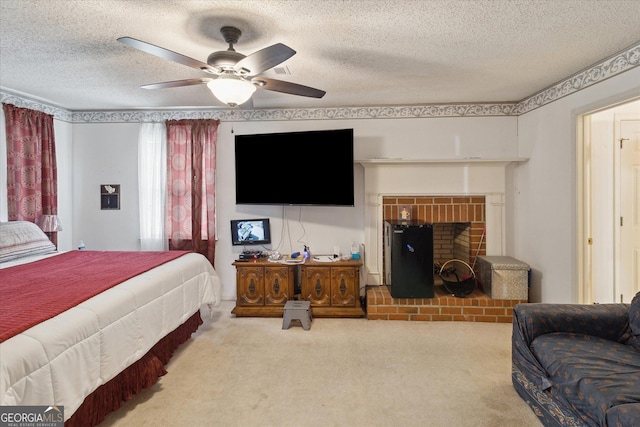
(300, 310)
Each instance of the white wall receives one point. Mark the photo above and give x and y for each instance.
(64, 156)
(542, 206)
(105, 153)
(324, 227)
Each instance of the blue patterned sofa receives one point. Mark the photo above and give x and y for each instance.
(578, 365)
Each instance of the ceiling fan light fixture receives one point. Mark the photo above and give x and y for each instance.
(231, 89)
(238, 74)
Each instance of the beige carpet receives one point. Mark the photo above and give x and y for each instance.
(342, 372)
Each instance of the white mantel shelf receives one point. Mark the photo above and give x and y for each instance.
(463, 161)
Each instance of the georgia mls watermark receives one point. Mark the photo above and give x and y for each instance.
(31, 416)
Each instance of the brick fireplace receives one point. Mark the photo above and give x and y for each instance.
(463, 199)
(458, 225)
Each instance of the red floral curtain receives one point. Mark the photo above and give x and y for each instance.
(191, 159)
(32, 183)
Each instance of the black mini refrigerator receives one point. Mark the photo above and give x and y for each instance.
(408, 258)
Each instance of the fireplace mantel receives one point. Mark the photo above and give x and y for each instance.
(432, 177)
(435, 162)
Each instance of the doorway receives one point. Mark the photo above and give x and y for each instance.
(609, 194)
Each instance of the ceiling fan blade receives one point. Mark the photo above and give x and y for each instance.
(177, 83)
(287, 87)
(264, 59)
(166, 54)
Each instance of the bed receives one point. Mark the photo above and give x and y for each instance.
(111, 342)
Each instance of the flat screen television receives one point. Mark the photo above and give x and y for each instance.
(250, 231)
(295, 168)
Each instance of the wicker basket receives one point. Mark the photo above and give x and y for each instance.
(459, 288)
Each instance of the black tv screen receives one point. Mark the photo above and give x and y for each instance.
(295, 168)
(250, 231)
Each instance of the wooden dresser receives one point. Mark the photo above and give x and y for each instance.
(332, 288)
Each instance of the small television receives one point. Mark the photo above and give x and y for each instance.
(250, 231)
(312, 168)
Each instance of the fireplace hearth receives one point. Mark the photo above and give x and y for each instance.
(476, 307)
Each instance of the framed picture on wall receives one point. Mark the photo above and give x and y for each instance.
(110, 196)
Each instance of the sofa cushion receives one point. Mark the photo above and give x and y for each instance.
(624, 415)
(634, 322)
(589, 374)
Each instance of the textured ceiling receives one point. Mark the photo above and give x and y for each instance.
(362, 53)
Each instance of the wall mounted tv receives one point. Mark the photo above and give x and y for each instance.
(313, 168)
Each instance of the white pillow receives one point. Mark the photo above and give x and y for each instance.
(22, 238)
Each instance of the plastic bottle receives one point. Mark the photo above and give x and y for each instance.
(307, 253)
(81, 246)
(355, 250)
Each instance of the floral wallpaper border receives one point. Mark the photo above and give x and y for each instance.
(609, 67)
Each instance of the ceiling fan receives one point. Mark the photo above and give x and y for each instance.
(237, 74)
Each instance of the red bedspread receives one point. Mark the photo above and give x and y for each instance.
(32, 293)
